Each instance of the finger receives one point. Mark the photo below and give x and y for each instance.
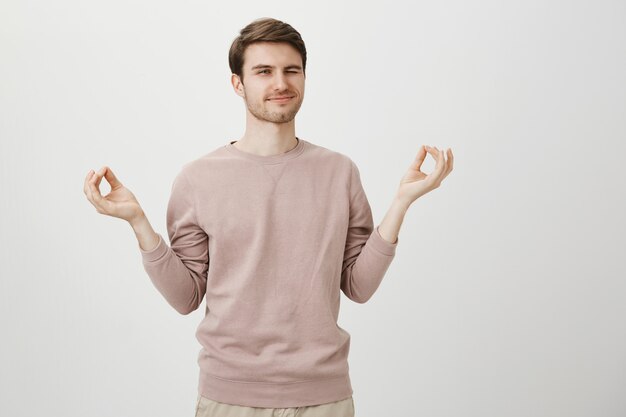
(94, 182)
(86, 182)
(446, 171)
(440, 167)
(91, 200)
(99, 202)
(436, 176)
(99, 176)
(450, 163)
(434, 152)
(90, 192)
(419, 158)
(111, 178)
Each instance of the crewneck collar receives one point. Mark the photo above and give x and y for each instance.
(268, 159)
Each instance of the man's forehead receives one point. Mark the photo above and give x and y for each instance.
(269, 55)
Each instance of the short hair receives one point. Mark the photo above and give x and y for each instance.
(264, 29)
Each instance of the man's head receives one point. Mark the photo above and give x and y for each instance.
(269, 56)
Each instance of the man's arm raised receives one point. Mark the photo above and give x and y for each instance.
(179, 271)
(413, 185)
(121, 203)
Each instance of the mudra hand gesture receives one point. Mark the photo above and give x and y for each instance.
(415, 183)
(120, 202)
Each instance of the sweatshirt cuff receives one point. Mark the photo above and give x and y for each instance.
(154, 254)
(382, 245)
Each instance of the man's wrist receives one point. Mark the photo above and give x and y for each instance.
(401, 204)
(138, 222)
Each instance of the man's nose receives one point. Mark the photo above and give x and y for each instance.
(280, 81)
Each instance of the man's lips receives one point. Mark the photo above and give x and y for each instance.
(281, 99)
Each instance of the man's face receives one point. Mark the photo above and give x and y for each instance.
(271, 70)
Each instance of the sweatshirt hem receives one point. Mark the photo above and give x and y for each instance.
(274, 394)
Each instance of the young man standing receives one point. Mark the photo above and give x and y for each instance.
(269, 229)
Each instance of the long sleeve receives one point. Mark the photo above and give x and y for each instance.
(179, 271)
(367, 255)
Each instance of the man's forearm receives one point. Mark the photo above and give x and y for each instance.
(390, 225)
(146, 236)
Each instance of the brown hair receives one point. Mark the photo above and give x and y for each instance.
(264, 29)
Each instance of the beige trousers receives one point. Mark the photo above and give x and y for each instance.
(209, 408)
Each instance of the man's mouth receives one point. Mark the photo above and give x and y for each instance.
(281, 99)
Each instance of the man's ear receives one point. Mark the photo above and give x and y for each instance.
(237, 85)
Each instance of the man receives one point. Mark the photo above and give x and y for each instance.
(268, 229)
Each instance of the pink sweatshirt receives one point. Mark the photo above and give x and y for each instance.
(269, 242)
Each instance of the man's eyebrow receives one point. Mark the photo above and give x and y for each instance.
(259, 66)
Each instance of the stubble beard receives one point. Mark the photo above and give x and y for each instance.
(263, 111)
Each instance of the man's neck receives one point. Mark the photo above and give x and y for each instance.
(266, 146)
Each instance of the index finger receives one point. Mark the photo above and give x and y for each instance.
(440, 163)
(111, 178)
(419, 158)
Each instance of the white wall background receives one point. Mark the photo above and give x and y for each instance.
(507, 294)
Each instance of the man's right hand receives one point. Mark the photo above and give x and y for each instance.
(120, 202)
